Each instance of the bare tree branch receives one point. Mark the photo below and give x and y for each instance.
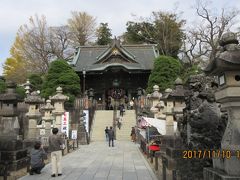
(202, 40)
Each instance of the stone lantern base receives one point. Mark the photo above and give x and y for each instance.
(214, 174)
(82, 135)
(13, 153)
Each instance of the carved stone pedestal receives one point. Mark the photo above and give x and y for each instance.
(214, 174)
(226, 67)
(11, 152)
(11, 147)
(172, 158)
(82, 135)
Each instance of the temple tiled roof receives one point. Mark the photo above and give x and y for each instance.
(131, 57)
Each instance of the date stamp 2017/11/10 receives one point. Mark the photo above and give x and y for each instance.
(201, 154)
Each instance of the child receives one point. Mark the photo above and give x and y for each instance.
(37, 156)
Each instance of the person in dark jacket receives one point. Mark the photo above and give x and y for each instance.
(121, 109)
(37, 158)
(111, 136)
(106, 133)
(55, 144)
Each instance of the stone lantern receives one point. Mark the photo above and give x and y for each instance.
(34, 101)
(9, 112)
(11, 146)
(178, 97)
(155, 97)
(27, 87)
(48, 117)
(174, 105)
(226, 66)
(58, 101)
(168, 111)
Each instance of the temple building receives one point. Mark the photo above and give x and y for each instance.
(115, 70)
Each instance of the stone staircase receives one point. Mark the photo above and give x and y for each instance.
(129, 120)
(105, 118)
(102, 119)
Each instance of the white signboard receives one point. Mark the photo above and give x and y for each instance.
(221, 80)
(42, 132)
(65, 123)
(74, 134)
(44, 141)
(86, 120)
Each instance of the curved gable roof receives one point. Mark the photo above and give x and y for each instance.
(132, 57)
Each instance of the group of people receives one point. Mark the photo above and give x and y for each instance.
(109, 134)
(56, 144)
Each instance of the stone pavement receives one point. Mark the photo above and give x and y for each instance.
(97, 161)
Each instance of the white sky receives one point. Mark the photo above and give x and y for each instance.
(14, 13)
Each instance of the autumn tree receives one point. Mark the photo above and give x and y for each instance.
(15, 67)
(82, 27)
(39, 44)
(162, 28)
(103, 34)
(35, 47)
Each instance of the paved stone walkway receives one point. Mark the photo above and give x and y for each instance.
(97, 161)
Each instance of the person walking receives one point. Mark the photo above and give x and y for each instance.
(55, 147)
(111, 136)
(119, 124)
(131, 103)
(121, 109)
(133, 134)
(37, 158)
(106, 133)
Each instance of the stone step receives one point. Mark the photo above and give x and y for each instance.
(104, 118)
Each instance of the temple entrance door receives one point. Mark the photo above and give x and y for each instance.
(116, 94)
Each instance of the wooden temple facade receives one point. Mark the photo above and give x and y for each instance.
(114, 71)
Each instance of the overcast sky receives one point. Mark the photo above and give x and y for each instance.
(14, 13)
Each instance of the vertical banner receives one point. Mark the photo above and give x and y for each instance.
(65, 123)
(74, 134)
(86, 119)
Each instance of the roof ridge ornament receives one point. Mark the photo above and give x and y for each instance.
(116, 49)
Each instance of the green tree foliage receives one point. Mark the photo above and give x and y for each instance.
(189, 70)
(169, 34)
(2, 86)
(61, 74)
(19, 90)
(36, 81)
(163, 29)
(103, 34)
(136, 35)
(165, 71)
